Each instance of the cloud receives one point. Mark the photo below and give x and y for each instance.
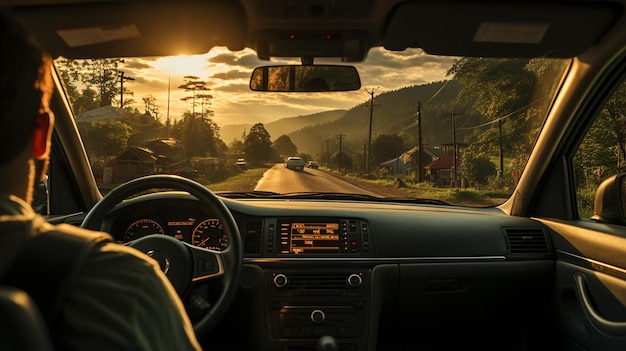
(232, 74)
(248, 59)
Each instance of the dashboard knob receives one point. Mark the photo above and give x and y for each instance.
(280, 280)
(318, 316)
(354, 280)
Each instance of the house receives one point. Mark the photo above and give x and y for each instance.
(403, 165)
(439, 171)
(132, 162)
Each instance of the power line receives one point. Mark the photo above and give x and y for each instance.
(502, 117)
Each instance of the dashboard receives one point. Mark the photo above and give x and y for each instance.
(344, 268)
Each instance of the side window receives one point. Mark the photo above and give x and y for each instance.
(603, 151)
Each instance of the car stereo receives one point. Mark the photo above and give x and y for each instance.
(322, 236)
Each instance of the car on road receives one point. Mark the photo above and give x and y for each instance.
(242, 164)
(294, 162)
(312, 164)
(503, 120)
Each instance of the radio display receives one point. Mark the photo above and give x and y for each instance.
(303, 237)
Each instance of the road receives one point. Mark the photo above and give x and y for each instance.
(282, 180)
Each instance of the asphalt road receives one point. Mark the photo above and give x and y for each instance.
(282, 180)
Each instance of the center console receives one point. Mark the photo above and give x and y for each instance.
(308, 301)
(306, 305)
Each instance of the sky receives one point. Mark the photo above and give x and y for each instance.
(227, 75)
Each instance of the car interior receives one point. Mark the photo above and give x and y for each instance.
(294, 273)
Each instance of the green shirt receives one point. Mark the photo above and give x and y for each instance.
(119, 300)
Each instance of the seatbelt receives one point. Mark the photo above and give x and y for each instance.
(47, 265)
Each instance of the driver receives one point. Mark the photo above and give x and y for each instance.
(117, 298)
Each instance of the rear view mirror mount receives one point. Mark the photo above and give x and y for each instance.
(305, 78)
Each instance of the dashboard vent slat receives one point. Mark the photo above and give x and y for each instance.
(526, 241)
(252, 238)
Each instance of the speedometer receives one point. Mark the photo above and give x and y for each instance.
(141, 228)
(209, 234)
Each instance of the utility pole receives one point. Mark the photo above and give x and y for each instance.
(339, 156)
(328, 153)
(369, 135)
(122, 79)
(501, 172)
(454, 151)
(419, 174)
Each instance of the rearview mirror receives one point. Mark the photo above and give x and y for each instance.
(305, 78)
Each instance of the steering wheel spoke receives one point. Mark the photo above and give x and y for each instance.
(208, 264)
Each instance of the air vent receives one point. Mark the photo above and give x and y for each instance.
(526, 241)
(317, 281)
(252, 238)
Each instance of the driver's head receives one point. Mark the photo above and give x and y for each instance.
(25, 120)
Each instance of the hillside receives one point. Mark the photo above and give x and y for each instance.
(394, 112)
(282, 126)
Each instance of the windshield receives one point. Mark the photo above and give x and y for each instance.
(452, 129)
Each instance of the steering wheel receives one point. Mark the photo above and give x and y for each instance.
(183, 263)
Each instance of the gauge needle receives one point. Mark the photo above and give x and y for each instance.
(204, 241)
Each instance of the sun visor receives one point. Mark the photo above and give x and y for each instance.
(499, 29)
(134, 29)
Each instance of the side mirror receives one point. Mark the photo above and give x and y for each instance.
(610, 202)
(41, 198)
(305, 78)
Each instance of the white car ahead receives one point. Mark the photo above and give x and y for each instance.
(294, 162)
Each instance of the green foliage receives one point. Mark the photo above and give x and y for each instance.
(284, 146)
(585, 198)
(199, 136)
(92, 82)
(477, 169)
(258, 145)
(341, 161)
(106, 139)
(386, 147)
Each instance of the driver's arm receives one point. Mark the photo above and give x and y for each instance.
(120, 300)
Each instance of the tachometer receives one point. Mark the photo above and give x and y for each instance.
(142, 228)
(210, 235)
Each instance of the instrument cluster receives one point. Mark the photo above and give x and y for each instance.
(207, 233)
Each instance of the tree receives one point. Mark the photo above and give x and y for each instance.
(150, 106)
(99, 79)
(285, 146)
(477, 169)
(386, 147)
(601, 153)
(501, 93)
(200, 136)
(106, 139)
(235, 147)
(258, 145)
(341, 160)
(199, 95)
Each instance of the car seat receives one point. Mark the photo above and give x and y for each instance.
(21, 325)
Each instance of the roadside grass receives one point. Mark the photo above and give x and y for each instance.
(391, 188)
(244, 181)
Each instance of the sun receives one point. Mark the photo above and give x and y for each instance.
(184, 65)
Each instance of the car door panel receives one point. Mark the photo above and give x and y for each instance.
(590, 285)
